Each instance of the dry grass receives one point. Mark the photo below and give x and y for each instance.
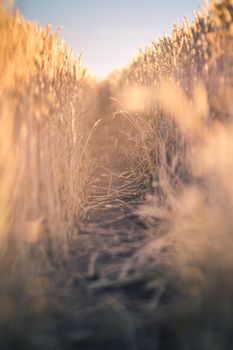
(43, 132)
(172, 126)
(198, 58)
(177, 94)
(44, 164)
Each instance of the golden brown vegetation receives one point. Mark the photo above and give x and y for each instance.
(176, 133)
(178, 95)
(43, 131)
(198, 58)
(44, 163)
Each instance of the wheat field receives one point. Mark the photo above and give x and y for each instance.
(147, 152)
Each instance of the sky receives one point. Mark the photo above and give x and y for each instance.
(109, 32)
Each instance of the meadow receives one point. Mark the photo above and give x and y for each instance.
(115, 197)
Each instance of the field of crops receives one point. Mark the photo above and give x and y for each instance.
(116, 197)
(44, 166)
(178, 95)
(43, 101)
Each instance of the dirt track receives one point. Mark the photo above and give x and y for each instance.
(105, 301)
(107, 295)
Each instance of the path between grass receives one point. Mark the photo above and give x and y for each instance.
(106, 297)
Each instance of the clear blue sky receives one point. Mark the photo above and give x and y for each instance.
(108, 31)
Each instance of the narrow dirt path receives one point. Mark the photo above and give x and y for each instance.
(105, 298)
